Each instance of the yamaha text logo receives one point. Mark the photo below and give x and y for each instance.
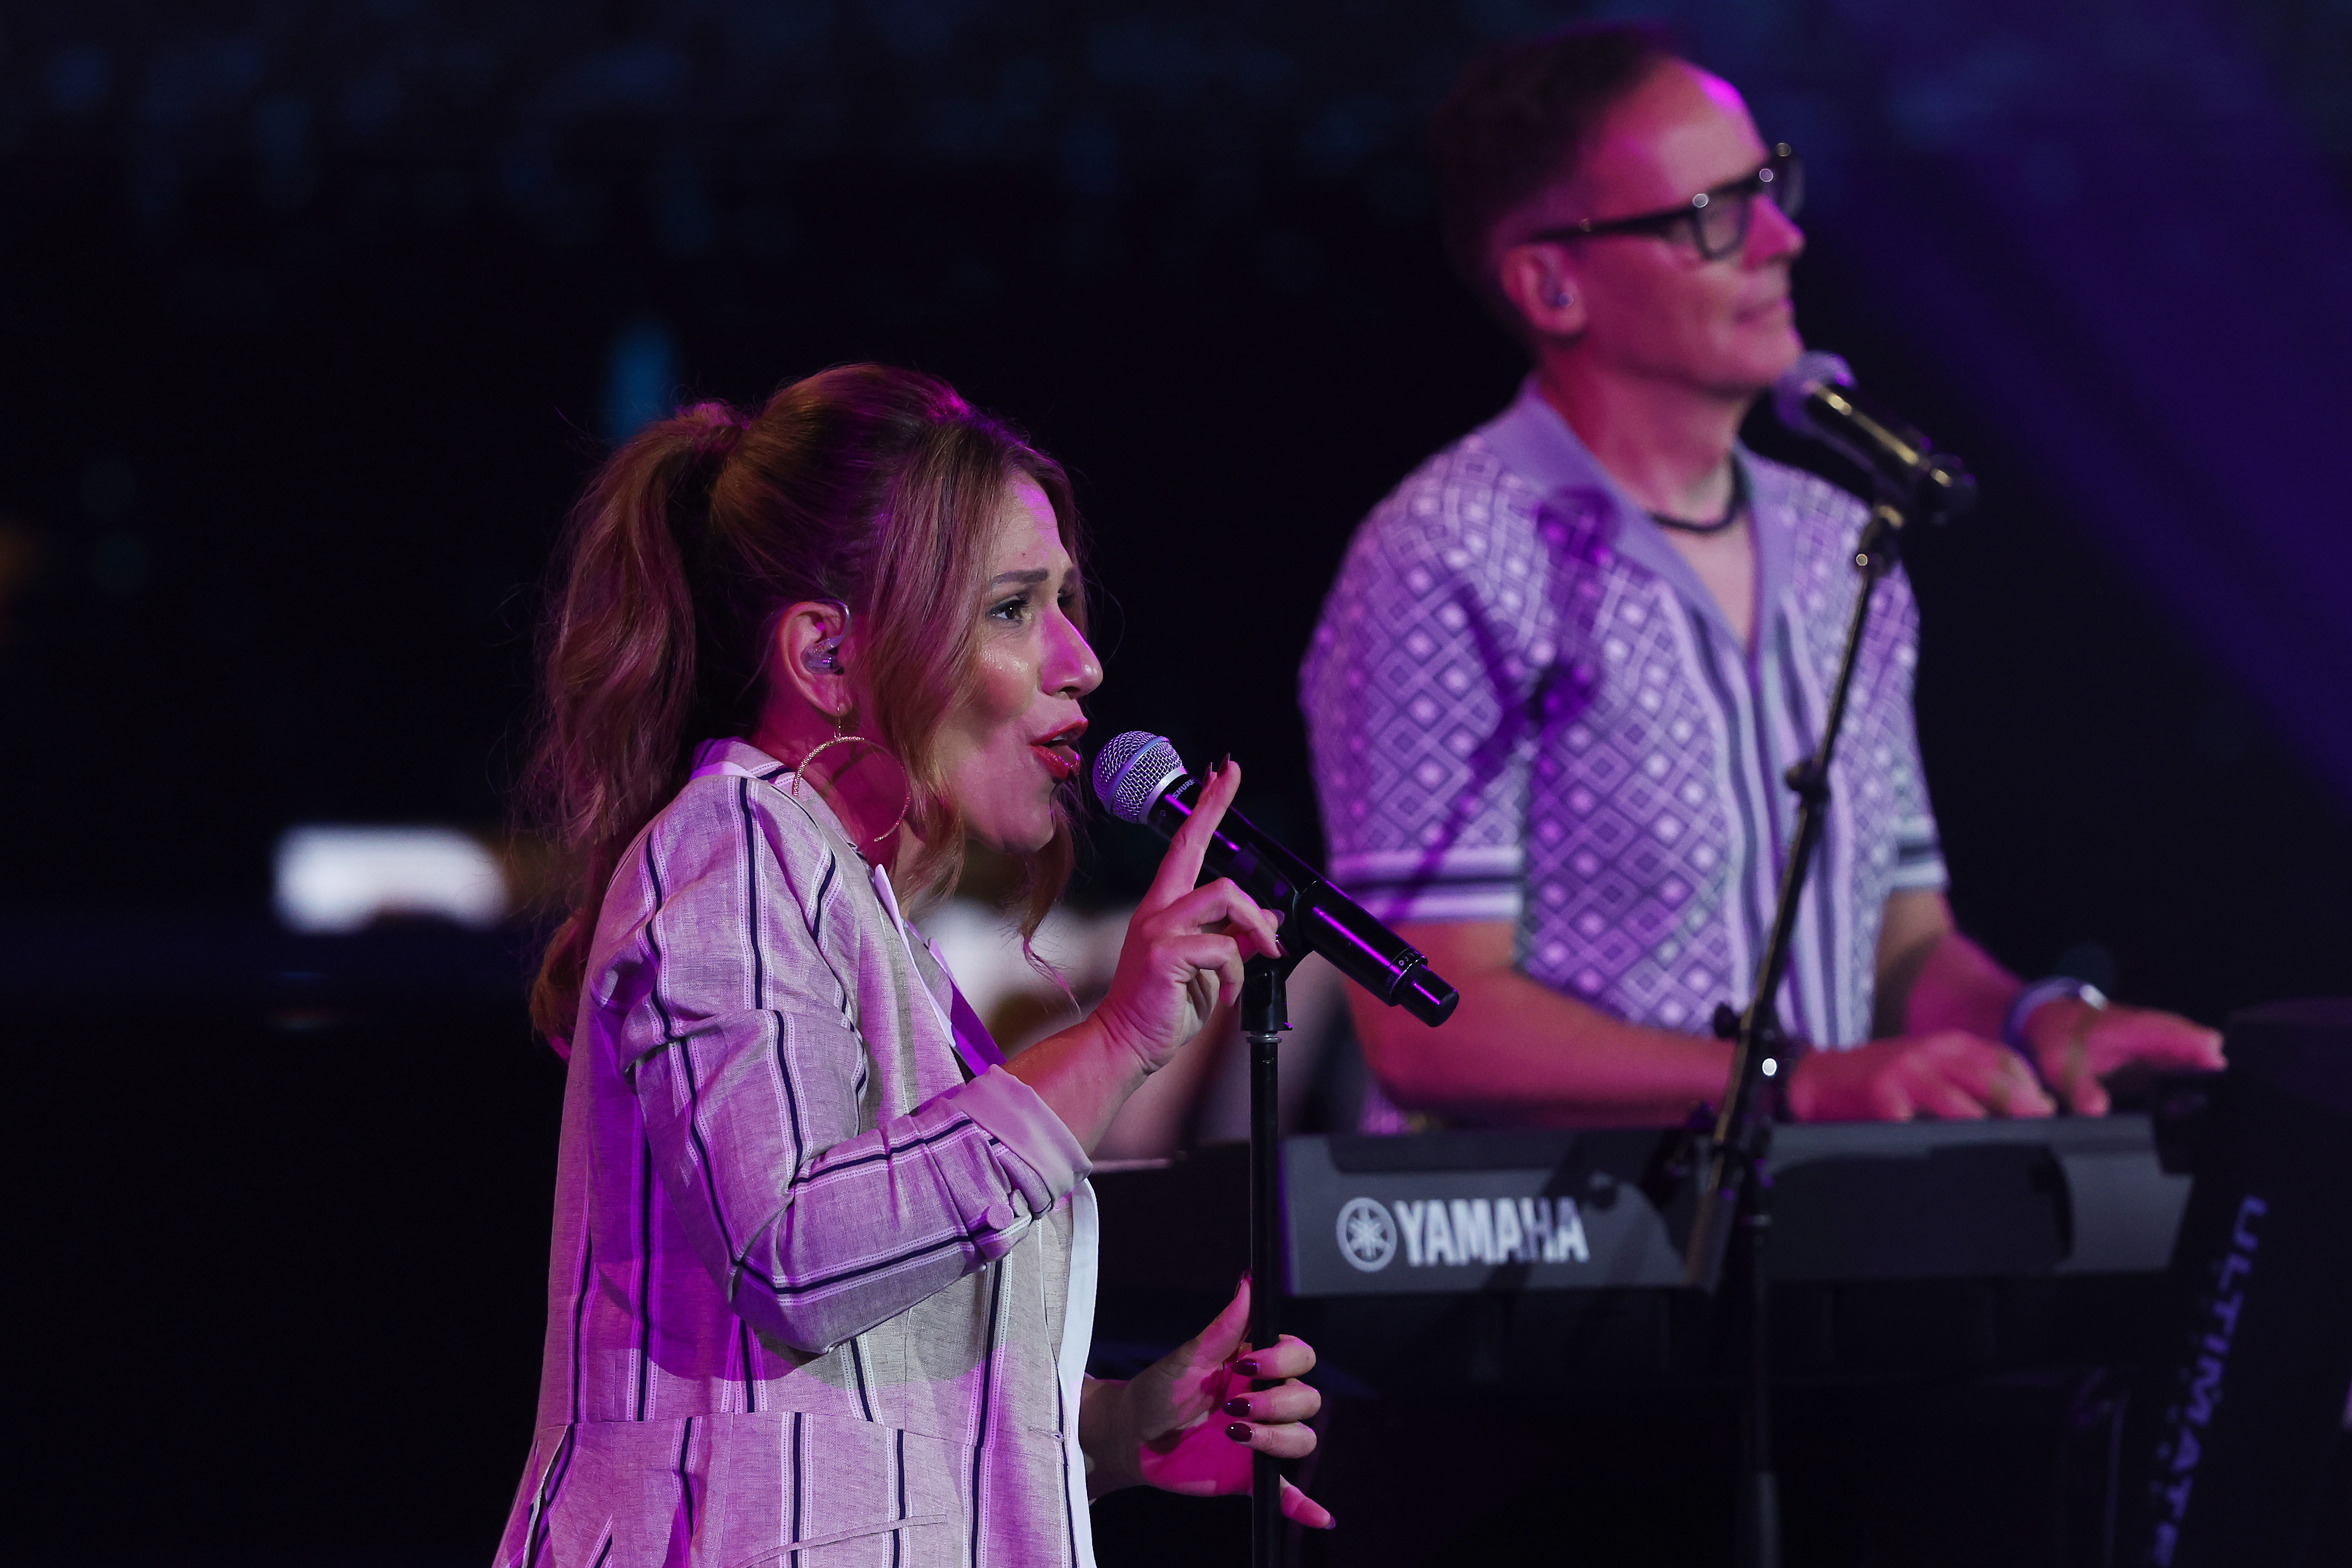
(1439, 1231)
(1368, 1237)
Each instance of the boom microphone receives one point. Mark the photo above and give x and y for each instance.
(1816, 396)
(1140, 778)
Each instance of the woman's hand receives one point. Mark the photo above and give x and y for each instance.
(1181, 959)
(1189, 1423)
(1185, 945)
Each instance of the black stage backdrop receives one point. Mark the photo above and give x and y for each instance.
(309, 323)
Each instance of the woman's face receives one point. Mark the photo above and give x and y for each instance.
(1008, 748)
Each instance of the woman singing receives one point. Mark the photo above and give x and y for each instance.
(823, 1261)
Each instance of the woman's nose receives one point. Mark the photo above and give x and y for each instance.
(1070, 663)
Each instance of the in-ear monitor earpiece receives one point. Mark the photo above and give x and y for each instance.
(824, 656)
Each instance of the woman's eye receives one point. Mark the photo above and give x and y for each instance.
(1011, 609)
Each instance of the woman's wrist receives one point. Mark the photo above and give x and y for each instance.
(1121, 1039)
(1083, 1075)
(1106, 1437)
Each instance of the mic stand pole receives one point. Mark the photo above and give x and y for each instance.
(1738, 1196)
(1265, 1015)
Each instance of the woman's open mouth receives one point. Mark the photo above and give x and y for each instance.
(1060, 750)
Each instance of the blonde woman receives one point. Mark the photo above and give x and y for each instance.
(823, 1269)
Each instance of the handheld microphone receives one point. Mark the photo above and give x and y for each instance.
(1816, 397)
(1140, 778)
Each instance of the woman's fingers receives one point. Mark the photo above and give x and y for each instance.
(1291, 1401)
(1172, 893)
(1218, 1344)
(1186, 947)
(1223, 902)
(1284, 1440)
(1180, 866)
(1297, 1505)
(1290, 1357)
(1206, 955)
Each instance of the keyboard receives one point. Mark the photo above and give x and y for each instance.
(1464, 1213)
(1512, 1263)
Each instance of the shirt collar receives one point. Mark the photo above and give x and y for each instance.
(1534, 443)
(733, 755)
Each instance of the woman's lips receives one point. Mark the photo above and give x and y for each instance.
(1060, 750)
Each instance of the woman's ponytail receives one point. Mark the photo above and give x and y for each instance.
(619, 660)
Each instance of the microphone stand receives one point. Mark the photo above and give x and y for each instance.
(1265, 1015)
(1737, 1196)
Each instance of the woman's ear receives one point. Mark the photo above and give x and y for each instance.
(812, 656)
(1541, 286)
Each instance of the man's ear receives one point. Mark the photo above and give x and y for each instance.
(812, 655)
(1542, 286)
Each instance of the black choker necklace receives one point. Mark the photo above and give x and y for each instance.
(1731, 511)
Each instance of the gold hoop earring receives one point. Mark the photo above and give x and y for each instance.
(840, 734)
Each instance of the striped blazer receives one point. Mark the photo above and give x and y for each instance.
(823, 1271)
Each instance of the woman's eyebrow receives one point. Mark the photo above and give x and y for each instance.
(1033, 576)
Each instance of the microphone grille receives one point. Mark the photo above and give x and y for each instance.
(1813, 368)
(1132, 770)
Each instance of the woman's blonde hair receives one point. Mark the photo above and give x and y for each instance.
(878, 488)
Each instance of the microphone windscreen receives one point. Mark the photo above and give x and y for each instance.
(1132, 771)
(1796, 383)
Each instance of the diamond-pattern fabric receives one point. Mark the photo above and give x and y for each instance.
(1525, 707)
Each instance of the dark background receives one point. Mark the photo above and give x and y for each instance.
(313, 319)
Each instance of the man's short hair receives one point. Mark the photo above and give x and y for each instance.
(1518, 121)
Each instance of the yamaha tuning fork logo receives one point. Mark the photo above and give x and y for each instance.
(1367, 1236)
(1461, 1231)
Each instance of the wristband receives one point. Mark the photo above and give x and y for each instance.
(2058, 987)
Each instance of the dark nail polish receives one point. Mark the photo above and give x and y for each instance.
(1237, 1407)
(1237, 1432)
(1246, 1368)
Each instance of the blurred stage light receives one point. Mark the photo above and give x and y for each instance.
(337, 880)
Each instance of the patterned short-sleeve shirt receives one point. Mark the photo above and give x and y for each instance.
(1525, 706)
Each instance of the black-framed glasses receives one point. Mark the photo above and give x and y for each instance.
(1718, 218)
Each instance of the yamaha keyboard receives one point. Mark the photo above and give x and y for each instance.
(2059, 1292)
(1525, 1260)
(1456, 1213)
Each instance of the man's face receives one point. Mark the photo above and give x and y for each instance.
(1653, 308)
